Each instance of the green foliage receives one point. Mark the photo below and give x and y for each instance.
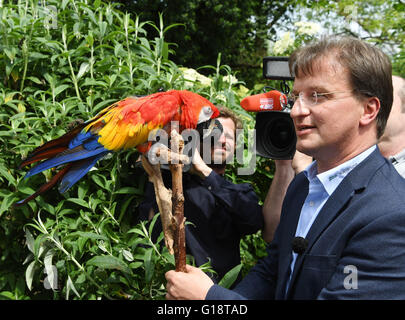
(236, 28)
(118, 264)
(252, 248)
(241, 29)
(63, 62)
(380, 22)
(230, 277)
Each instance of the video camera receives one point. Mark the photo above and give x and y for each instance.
(275, 131)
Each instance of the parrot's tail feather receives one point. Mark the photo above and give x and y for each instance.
(77, 171)
(70, 155)
(46, 186)
(46, 154)
(48, 148)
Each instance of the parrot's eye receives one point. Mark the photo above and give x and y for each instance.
(205, 114)
(207, 110)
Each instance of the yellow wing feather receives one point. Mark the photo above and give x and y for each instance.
(128, 123)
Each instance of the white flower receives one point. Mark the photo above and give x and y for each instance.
(230, 79)
(191, 76)
(203, 79)
(221, 97)
(283, 44)
(307, 27)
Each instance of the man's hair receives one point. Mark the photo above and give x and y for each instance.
(370, 69)
(401, 92)
(225, 112)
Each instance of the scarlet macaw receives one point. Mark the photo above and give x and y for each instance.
(123, 125)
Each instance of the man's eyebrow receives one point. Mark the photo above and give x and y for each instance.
(317, 88)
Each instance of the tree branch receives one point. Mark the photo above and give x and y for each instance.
(177, 145)
(171, 203)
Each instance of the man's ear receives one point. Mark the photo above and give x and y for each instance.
(371, 107)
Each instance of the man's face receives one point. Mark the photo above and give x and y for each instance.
(331, 127)
(223, 150)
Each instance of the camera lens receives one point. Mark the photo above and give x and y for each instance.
(280, 133)
(275, 135)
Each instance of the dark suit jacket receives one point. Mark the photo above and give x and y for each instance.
(356, 244)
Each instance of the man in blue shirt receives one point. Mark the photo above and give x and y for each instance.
(347, 208)
(391, 145)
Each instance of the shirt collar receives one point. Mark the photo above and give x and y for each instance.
(332, 178)
(400, 156)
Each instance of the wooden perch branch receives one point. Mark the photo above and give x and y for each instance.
(164, 201)
(171, 203)
(177, 145)
(164, 154)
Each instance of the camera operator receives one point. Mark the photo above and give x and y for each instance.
(220, 212)
(344, 216)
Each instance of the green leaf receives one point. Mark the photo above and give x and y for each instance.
(124, 207)
(103, 27)
(129, 190)
(5, 173)
(35, 80)
(79, 202)
(100, 180)
(135, 265)
(128, 255)
(82, 190)
(149, 265)
(60, 89)
(152, 223)
(137, 231)
(109, 262)
(84, 67)
(88, 235)
(51, 280)
(29, 240)
(90, 39)
(7, 202)
(230, 277)
(29, 274)
(70, 286)
(7, 295)
(173, 26)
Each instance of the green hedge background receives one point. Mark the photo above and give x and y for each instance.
(62, 62)
(66, 60)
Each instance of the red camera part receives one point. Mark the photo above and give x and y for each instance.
(269, 101)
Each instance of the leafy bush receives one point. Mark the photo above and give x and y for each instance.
(63, 62)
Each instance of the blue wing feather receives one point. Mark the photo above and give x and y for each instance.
(77, 171)
(83, 146)
(80, 138)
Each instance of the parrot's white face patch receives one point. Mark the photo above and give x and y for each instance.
(205, 114)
